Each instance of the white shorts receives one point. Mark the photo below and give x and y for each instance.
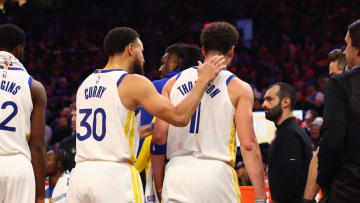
(17, 180)
(105, 182)
(189, 179)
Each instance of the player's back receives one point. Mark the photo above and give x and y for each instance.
(105, 129)
(15, 110)
(211, 131)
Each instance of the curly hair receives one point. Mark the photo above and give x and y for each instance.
(188, 54)
(219, 36)
(118, 38)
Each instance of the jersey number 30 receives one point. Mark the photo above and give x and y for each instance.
(92, 129)
(3, 124)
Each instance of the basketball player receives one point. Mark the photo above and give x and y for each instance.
(177, 58)
(107, 120)
(22, 110)
(202, 154)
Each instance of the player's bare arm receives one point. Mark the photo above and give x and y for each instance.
(37, 140)
(312, 188)
(137, 90)
(242, 98)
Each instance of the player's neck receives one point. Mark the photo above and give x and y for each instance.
(210, 54)
(284, 116)
(53, 179)
(118, 62)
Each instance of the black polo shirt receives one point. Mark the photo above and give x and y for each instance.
(289, 161)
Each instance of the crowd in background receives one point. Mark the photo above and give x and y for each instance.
(64, 45)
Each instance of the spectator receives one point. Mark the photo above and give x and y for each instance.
(68, 144)
(315, 131)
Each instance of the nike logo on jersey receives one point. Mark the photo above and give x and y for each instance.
(94, 91)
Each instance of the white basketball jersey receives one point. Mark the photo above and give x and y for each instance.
(105, 129)
(211, 131)
(15, 108)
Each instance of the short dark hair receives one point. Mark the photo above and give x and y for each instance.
(354, 32)
(118, 38)
(189, 54)
(338, 55)
(11, 36)
(219, 36)
(286, 90)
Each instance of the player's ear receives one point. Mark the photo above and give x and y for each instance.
(130, 49)
(18, 50)
(203, 52)
(230, 53)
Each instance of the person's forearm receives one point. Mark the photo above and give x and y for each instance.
(253, 163)
(312, 187)
(158, 166)
(38, 163)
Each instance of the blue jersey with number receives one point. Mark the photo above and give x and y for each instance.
(210, 133)
(15, 107)
(105, 129)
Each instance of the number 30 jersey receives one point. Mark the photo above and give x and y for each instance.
(210, 133)
(15, 110)
(105, 129)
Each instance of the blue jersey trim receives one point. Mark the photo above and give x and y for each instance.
(30, 80)
(137, 111)
(178, 75)
(229, 79)
(120, 79)
(107, 70)
(195, 67)
(11, 68)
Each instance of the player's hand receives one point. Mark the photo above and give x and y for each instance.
(146, 130)
(211, 67)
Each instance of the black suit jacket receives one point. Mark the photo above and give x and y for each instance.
(339, 154)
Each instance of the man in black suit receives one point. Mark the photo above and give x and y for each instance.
(339, 154)
(68, 144)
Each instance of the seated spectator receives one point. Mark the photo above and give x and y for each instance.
(315, 132)
(69, 143)
(60, 131)
(242, 174)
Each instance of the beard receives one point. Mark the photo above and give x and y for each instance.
(274, 113)
(138, 67)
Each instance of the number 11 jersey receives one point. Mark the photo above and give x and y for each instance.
(210, 133)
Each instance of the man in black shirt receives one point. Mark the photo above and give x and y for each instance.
(291, 150)
(339, 153)
(69, 143)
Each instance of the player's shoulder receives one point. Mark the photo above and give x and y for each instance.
(238, 86)
(38, 92)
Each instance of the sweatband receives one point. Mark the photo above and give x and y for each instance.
(157, 149)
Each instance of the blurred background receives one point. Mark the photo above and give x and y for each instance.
(280, 41)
